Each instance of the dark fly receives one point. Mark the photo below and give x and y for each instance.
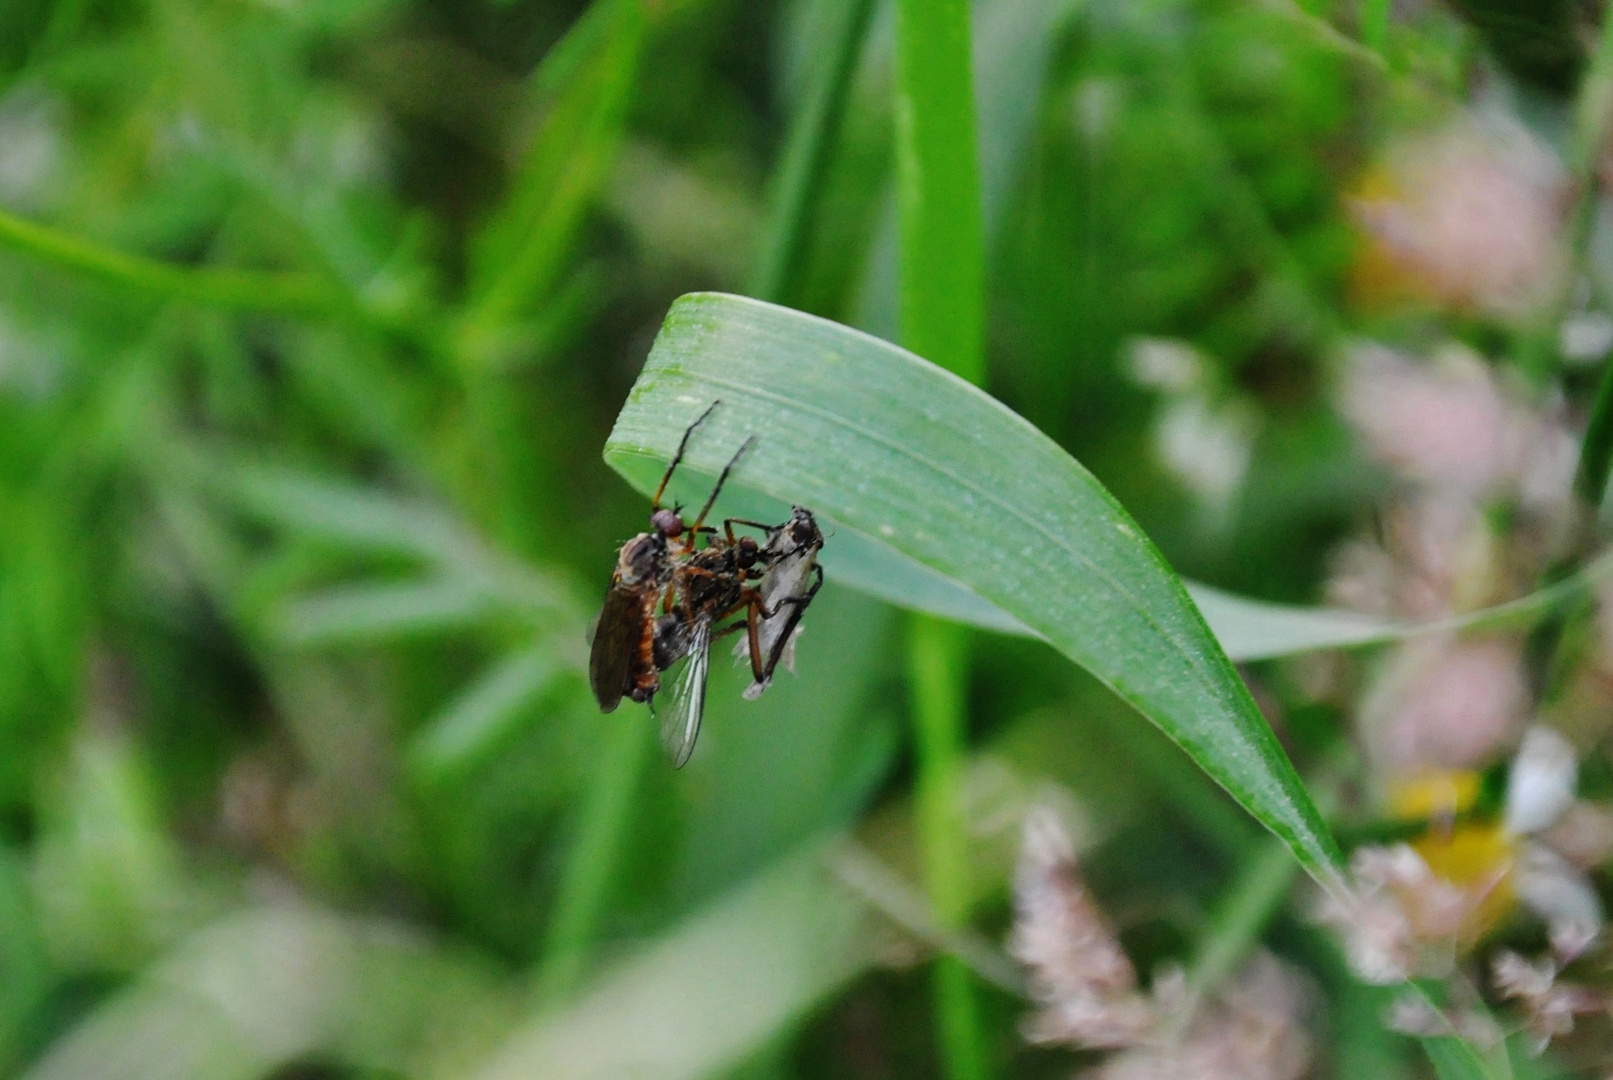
(708, 585)
(622, 660)
(717, 582)
(669, 594)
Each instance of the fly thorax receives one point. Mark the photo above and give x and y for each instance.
(642, 559)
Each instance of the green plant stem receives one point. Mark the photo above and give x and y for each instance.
(25, 972)
(585, 882)
(937, 663)
(938, 188)
(935, 655)
(238, 290)
(943, 270)
(518, 258)
(807, 153)
(1593, 110)
(1238, 920)
(1327, 35)
(1592, 113)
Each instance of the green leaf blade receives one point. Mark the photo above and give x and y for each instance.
(893, 449)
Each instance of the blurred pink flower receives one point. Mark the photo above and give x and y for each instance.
(1451, 424)
(1445, 703)
(1472, 213)
(1549, 1006)
(1082, 980)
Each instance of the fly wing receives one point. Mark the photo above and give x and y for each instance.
(617, 637)
(685, 697)
(787, 588)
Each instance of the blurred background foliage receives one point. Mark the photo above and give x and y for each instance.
(303, 517)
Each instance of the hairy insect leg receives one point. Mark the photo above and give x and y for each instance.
(683, 444)
(729, 523)
(753, 634)
(751, 601)
(722, 479)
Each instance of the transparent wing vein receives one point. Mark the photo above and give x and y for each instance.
(685, 698)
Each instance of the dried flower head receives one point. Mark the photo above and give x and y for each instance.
(1549, 1007)
(1087, 993)
(1558, 893)
(1398, 918)
(1253, 1030)
(1080, 978)
(1437, 556)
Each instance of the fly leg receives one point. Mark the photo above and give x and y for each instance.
(683, 444)
(721, 480)
(751, 601)
(729, 523)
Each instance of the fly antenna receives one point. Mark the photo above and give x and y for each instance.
(683, 444)
(721, 480)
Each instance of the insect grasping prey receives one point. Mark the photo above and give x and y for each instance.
(622, 658)
(668, 593)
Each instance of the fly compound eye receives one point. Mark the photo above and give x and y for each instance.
(746, 552)
(801, 530)
(667, 522)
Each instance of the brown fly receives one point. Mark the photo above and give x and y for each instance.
(621, 662)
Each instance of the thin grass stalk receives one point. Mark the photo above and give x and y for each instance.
(942, 318)
(1262, 885)
(237, 290)
(808, 151)
(937, 665)
(1596, 452)
(1592, 114)
(519, 256)
(1593, 111)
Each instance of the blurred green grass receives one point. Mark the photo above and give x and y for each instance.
(303, 388)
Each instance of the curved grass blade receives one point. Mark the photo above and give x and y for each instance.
(899, 454)
(1254, 630)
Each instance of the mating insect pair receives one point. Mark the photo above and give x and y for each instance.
(669, 592)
